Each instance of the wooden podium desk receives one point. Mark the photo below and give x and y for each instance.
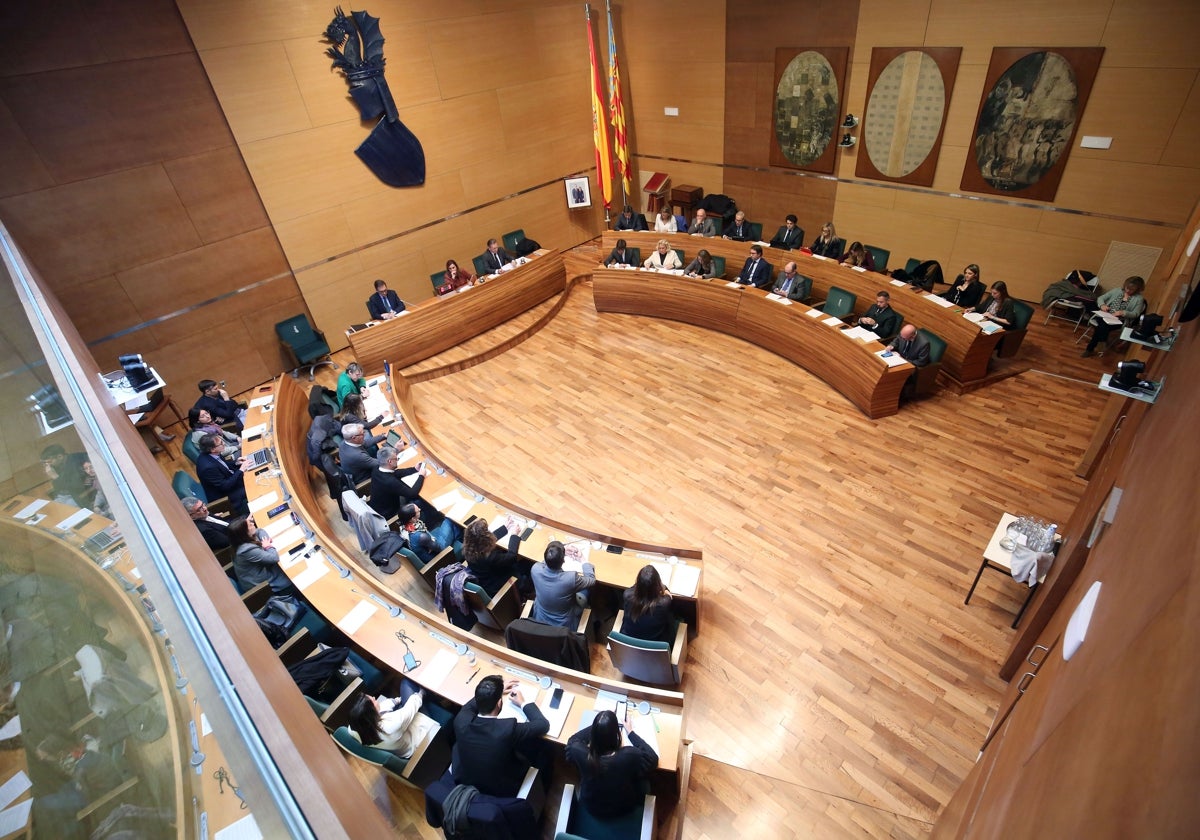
(358, 603)
(968, 348)
(434, 325)
(852, 367)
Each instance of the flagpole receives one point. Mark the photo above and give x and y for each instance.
(599, 124)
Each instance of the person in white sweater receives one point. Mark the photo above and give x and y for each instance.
(395, 724)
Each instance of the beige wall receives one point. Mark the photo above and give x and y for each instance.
(1145, 97)
(497, 93)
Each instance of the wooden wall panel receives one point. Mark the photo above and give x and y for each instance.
(317, 236)
(217, 193)
(21, 168)
(272, 104)
(1181, 146)
(1151, 98)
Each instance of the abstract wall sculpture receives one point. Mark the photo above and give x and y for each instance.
(390, 151)
(909, 95)
(1032, 102)
(809, 84)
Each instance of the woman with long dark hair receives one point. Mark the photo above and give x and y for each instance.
(454, 278)
(612, 778)
(392, 724)
(647, 606)
(967, 289)
(999, 309)
(491, 564)
(354, 411)
(255, 559)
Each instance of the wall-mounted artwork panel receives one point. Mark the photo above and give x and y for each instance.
(810, 83)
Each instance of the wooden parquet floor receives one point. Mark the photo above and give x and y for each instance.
(839, 687)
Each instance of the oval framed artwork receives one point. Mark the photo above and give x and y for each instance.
(906, 112)
(807, 106)
(1032, 103)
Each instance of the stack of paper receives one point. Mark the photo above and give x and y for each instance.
(893, 360)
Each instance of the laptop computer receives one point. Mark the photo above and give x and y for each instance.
(261, 458)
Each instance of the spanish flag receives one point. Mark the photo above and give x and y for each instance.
(604, 164)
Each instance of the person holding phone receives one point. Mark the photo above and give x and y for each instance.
(393, 724)
(492, 753)
(613, 780)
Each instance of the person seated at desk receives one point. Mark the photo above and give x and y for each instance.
(702, 266)
(757, 271)
(356, 461)
(201, 423)
(415, 522)
(255, 559)
(353, 411)
(663, 258)
(385, 304)
(828, 244)
(647, 607)
(351, 381)
(86, 770)
(454, 278)
(494, 257)
(880, 318)
(388, 488)
(702, 225)
(665, 222)
(66, 475)
(492, 565)
(621, 255)
(858, 257)
(1125, 303)
(914, 349)
(215, 400)
(628, 220)
(394, 724)
(792, 285)
(789, 236)
(492, 753)
(214, 529)
(966, 290)
(739, 231)
(999, 309)
(218, 478)
(93, 494)
(554, 588)
(613, 780)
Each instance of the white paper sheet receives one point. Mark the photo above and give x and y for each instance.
(31, 508)
(436, 670)
(314, 572)
(684, 580)
(447, 500)
(352, 621)
(244, 829)
(17, 784)
(894, 360)
(15, 818)
(557, 717)
(859, 268)
(898, 283)
(266, 500)
(11, 729)
(73, 520)
(251, 431)
(832, 322)
(940, 301)
(406, 455)
(459, 511)
(411, 479)
(205, 726)
(281, 524)
(814, 313)
(261, 401)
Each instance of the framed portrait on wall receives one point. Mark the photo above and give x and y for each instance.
(810, 84)
(1033, 99)
(579, 192)
(908, 96)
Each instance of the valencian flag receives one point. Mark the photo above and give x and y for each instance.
(616, 109)
(604, 164)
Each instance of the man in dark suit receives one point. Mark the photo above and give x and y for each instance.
(214, 529)
(218, 478)
(215, 400)
(384, 304)
(389, 490)
(494, 258)
(628, 220)
(789, 236)
(621, 255)
(493, 753)
(912, 346)
(757, 271)
(356, 461)
(880, 318)
(739, 231)
(702, 225)
(792, 285)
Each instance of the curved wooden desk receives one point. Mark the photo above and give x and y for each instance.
(442, 322)
(347, 601)
(968, 348)
(849, 365)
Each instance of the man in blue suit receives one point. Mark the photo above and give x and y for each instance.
(757, 271)
(219, 479)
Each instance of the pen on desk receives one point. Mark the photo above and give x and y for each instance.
(657, 728)
(474, 674)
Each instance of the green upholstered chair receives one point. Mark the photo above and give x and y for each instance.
(481, 268)
(718, 222)
(718, 268)
(638, 824)
(636, 255)
(926, 382)
(755, 231)
(189, 447)
(657, 663)
(436, 279)
(496, 613)
(186, 485)
(428, 761)
(304, 344)
(1011, 343)
(427, 572)
(895, 332)
(840, 302)
(511, 239)
(679, 253)
(880, 256)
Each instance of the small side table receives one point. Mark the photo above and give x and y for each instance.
(1000, 559)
